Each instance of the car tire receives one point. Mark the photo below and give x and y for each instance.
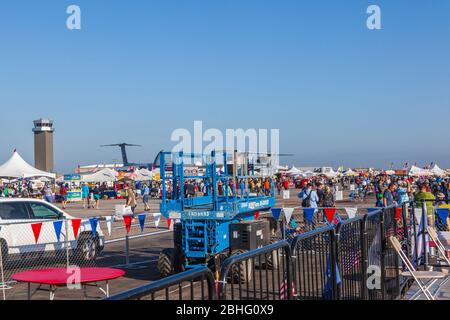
(87, 248)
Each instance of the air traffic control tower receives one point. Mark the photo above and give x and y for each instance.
(43, 144)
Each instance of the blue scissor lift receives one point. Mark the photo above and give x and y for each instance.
(202, 232)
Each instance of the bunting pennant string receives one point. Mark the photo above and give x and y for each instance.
(157, 219)
(76, 227)
(257, 215)
(309, 214)
(127, 220)
(141, 218)
(94, 222)
(169, 223)
(276, 213)
(398, 213)
(36, 230)
(330, 213)
(57, 225)
(351, 212)
(288, 214)
(109, 221)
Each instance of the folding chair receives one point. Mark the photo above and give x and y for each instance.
(429, 277)
(441, 248)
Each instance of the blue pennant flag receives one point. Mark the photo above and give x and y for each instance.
(309, 214)
(142, 220)
(276, 213)
(93, 222)
(58, 226)
(442, 213)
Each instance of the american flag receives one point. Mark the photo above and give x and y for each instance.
(351, 260)
(284, 289)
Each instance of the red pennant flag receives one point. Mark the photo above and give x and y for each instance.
(127, 220)
(169, 223)
(36, 230)
(256, 215)
(398, 213)
(76, 227)
(330, 213)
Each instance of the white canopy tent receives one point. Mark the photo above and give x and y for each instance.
(143, 175)
(294, 172)
(307, 174)
(331, 174)
(418, 172)
(18, 168)
(438, 171)
(105, 175)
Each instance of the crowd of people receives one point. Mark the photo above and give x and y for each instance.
(315, 192)
(385, 190)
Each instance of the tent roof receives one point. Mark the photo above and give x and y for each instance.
(144, 175)
(438, 171)
(294, 171)
(105, 175)
(416, 171)
(16, 167)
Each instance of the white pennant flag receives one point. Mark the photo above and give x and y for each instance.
(109, 221)
(288, 214)
(157, 218)
(351, 212)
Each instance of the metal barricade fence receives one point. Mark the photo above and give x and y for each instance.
(195, 284)
(314, 265)
(262, 274)
(391, 260)
(352, 259)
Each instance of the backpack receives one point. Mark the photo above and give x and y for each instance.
(306, 203)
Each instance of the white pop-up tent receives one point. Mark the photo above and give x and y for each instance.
(105, 175)
(438, 171)
(144, 175)
(418, 172)
(294, 172)
(18, 168)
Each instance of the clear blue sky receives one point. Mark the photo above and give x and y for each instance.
(137, 70)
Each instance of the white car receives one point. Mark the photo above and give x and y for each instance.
(17, 237)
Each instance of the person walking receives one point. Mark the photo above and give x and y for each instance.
(131, 202)
(309, 197)
(48, 194)
(63, 195)
(145, 197)
(85, 195)
(328, 197)
(97, 196)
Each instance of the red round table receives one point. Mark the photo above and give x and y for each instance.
(59, 277)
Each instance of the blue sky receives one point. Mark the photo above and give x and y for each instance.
(137, 70)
